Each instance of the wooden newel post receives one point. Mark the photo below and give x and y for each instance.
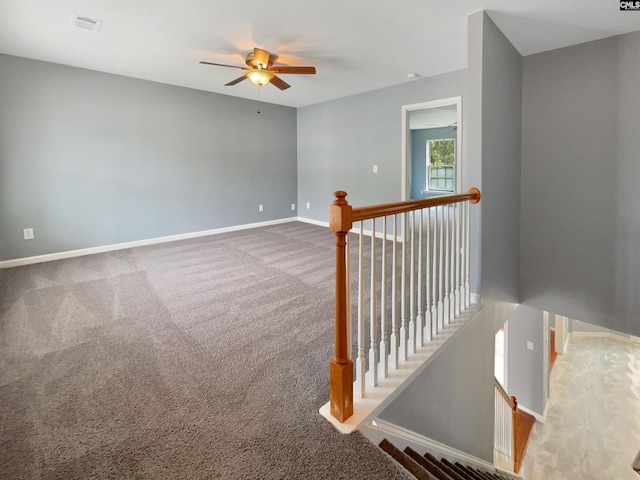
(341, 366)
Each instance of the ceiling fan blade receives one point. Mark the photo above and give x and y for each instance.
(298, 70)
(236, 81)
(278, 82)
(223, 65)
(261, 56)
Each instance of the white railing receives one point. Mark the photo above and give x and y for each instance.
(411, 276)
(504, 429)
(422, 270)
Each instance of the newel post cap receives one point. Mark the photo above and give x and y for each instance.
(340, 213)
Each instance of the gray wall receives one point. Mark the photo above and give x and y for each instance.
(501, 81)
(525, 368)
(90, 159)
(452, 400)
(580, 223)
(418, 171)
(340, 141)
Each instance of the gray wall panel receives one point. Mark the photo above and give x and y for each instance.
(580, 224)
(90, 159)
(340, 141)
(452, 401)
(501, 132)
(525, 368)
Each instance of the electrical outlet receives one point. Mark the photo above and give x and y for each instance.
(530, 345)
(308, 205)
(293, 206)
(375, 169)
(261, 208)
(28, 233)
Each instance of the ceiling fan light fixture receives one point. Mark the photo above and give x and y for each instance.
(259, 77)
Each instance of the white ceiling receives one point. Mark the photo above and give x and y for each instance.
(356, 45)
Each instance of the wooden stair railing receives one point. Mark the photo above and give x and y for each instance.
(442, 271)
(518, 428)
(505, 421)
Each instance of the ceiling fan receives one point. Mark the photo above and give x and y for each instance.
(261, 70)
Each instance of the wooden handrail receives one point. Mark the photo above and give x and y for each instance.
(341, 219)
(375, 211)
(511, 401)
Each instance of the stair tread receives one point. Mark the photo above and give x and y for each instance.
(448, 470)
(406, 461)
(434, 469)
(428, 467)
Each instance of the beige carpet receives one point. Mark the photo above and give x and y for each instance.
(592, 430)
(205, 358)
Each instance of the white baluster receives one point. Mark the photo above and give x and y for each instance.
(348, 295)
(435, 263)
(360, 361)
(428, 328)
(395, 328)
(458, 288)
(452, 262)
(412, 287)
(463, 257)
(441, 249)
(419, 318)
(467, 286)
(403, 292)
(373, 317)
(384, 360)
(447, 264)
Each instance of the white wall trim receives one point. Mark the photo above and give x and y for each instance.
(612, 335)
(137, 243)
(404, 190)
(313, 222)
(378, 429)
(537, 416)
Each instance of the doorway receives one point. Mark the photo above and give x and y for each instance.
(431, 148)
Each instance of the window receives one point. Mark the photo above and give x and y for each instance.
(441, 157)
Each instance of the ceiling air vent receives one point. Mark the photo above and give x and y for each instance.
(86, 22)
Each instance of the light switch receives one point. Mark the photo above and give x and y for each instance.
(530, 345)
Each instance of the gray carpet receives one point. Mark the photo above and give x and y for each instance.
(205, 358)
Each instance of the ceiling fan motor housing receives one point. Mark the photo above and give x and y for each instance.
(260, 59)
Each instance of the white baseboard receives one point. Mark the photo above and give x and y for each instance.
(537, 416)
(137, 243)
(313, 222)
(378, 429)
(612, 335)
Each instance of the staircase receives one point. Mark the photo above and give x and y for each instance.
(512, 430)
(428, 467)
